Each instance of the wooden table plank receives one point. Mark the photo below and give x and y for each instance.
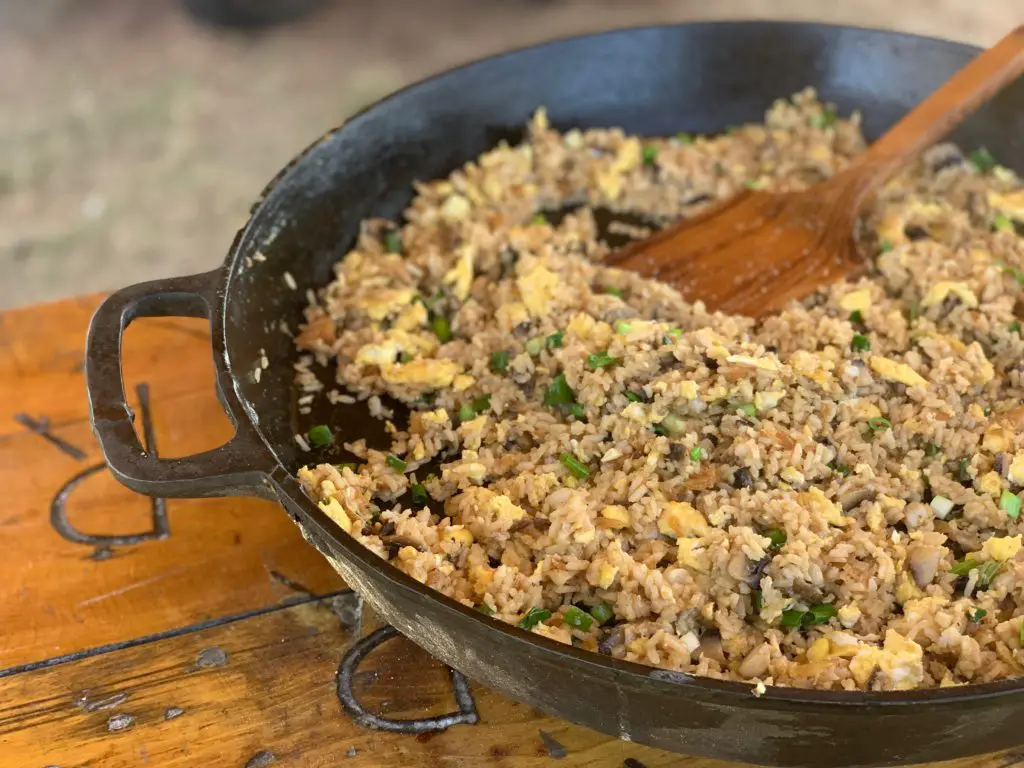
(219, 557)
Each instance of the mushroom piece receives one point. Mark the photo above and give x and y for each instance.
(756, 662)
(924, 560)
(711, 647)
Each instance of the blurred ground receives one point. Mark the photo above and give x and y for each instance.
(132, 141)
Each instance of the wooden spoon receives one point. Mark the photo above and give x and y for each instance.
(756, 252)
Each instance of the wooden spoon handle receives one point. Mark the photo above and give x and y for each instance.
(937, 115)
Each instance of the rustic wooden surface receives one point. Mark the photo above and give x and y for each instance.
(219, 642)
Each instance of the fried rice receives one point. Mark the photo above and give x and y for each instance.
(827, 498)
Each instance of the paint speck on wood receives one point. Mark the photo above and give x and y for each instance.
(551, 745)
(120, 722)
(211, 657)
(172, 712)
(632, 762)
(352, 752)
(262, 758)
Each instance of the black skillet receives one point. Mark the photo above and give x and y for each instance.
(653, 81)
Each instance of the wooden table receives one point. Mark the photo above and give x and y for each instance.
(207, 633)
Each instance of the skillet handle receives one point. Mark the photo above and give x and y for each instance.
(235, 468)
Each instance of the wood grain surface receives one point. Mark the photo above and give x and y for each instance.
(218, 639)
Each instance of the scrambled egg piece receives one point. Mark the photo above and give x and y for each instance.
(414, 316)
(380, 304)
(394, 343)
(997, 439)
(458, 533)
(938, 293)
(691, 553)
(615, 516)
(337, 513)
(424, 373)
(1011, 204)
(510, 315)
(681, 519)
(586, 328)
(856, 301)
(761, 363)
(537, 288)
(765, 401)
(990, 483)
(460, 277)
(899, 661)
(606, 575)
(1016, 471)
(1001, 548)
(628, 157)
(816, 500)
(893, 371)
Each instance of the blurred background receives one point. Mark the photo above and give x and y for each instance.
(134, 135)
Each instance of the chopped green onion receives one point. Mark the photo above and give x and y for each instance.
(752, 184)
(684, 138)
(485, 609)
(633, 397)
(659, 429)
(600, 360)
(578, 411)
(673, 425)
(885, 245)
(1009, 502)
(602, 613)
(777, 536)
(839, 468)
(395, 463)
(574, 465)
(559, 392)
(792, 618)
(824, 119)
(442, 328)
(466, 412)
(540, 218)
(534, 617)
(1002, 223)
(982, 159)
(481, 403)
(534, 346)
(320, 435)
(879, 424)
(577, 619)
(758, 600)
(987, 572)
(622, 327)
(555, 340)
(819, 614)
(1017, 274)
(613, 291)
(963, 469)
(671, 335)
(392, 241)
(650, 154)
(347, 465)
(913, 311)
(747, 409)
(499, 361)
(931, 450)
(420, 497)
(856, 317)
(1022, 634)
(696, 453)
(860, 343)
(978, 615)
(963, 567)
(1015, 327)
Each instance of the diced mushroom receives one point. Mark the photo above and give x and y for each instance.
(853, 496)
(756, 662)
(711, 647)
(924, 562)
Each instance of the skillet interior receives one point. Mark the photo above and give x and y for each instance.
(650, 81)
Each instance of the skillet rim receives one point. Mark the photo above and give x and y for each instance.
(734, 692)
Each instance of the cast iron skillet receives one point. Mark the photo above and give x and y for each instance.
(655, 81)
